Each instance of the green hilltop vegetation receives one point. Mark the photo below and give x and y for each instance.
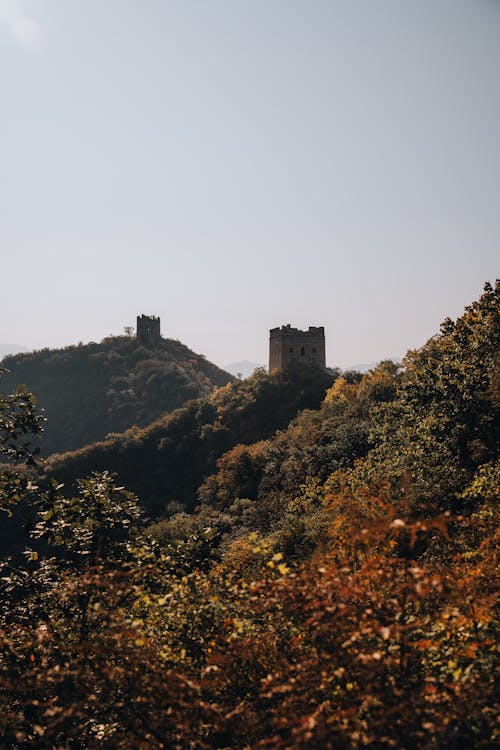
(167, 461)
(300, 560)
(90, 390)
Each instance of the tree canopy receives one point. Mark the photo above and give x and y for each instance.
(336, 585)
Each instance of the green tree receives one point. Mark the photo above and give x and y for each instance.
(19, 421)
(93, 525)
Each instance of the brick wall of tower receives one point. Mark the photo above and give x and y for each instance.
(289, 346)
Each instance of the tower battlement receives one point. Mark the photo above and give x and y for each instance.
(288, 346)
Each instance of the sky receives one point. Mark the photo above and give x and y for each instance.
(233, 165)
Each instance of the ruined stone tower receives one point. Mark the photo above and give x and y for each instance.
(148, 329)
(288, 346)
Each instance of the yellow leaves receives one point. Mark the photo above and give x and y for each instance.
(238, 626)
(340, 392)
(455, 669)
(282, 568)
(486, 483)
(260, 545)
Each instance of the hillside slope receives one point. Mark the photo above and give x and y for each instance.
(169, 459)
(88, 391)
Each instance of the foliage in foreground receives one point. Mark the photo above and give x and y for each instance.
(366, 643)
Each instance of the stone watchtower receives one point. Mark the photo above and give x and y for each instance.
(289, 346)
(148, 329)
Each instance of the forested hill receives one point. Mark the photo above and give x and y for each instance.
(90, 390)
(168, 460)
(336, 586)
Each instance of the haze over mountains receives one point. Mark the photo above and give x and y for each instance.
(246, 368)
(6, 349)
(243, 369)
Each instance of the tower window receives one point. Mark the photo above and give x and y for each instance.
(291, 350)
(303, 351)
(314, 350)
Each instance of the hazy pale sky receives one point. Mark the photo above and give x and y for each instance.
(231, 165)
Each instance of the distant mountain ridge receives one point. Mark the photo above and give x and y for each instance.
(6, 349)
(91, 390)
(243, 369)
(365, 366)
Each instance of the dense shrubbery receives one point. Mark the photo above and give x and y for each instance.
(88, 391)
(167, 461)
(337, 587)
